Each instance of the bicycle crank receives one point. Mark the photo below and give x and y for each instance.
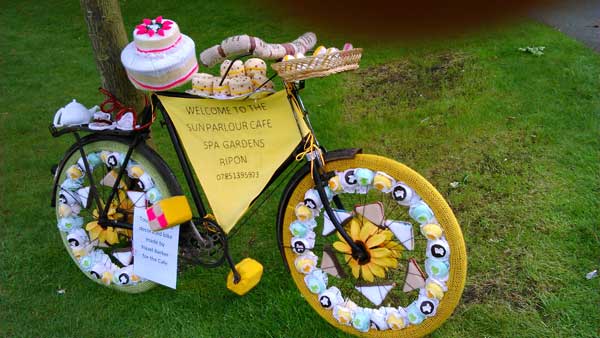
(206, 243)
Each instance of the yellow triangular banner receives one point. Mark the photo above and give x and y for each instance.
(235, 147)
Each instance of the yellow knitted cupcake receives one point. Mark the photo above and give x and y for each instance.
(220, 89)
(255, 66)
(259, 79)
(202, 83)
(237, 69)
(240, 85)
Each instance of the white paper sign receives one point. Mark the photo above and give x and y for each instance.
(155, 253)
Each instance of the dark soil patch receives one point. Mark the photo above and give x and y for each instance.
(408, 83)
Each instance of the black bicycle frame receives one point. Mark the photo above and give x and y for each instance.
(320, 176)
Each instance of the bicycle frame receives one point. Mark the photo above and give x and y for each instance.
(319, 174)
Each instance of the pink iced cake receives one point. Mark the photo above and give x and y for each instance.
(160, 57)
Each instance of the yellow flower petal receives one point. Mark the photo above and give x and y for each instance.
(342, 247)
(355, 268)
(340, 236)
(126, 203)
(125, 232)
(367, 230)
(380, 252)
(385, 261)
(111, 236)
(102, 237)
(395, 248)
(91, 225)
(354, 229)
(375, 240)
(95, 232)
(366, 273)
(393, 245)
(377, 270)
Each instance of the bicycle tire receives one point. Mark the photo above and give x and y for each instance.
(295, 195)
(150, 162)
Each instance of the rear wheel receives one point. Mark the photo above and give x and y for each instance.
(415, 271)
(105, 254)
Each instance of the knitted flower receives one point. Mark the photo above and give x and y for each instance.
(150, 27)
(119, 208)
(382, 251)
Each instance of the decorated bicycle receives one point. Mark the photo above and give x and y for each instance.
(370, 244)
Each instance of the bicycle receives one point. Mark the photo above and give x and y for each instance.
(345, 224)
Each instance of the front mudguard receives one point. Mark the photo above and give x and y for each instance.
(75, 147)
(334, 155)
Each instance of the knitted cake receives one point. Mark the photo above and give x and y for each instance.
(160, 57)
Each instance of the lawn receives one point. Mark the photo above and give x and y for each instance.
(519, 133)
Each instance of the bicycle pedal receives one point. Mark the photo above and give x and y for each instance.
(250, 272)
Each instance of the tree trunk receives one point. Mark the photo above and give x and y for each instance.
(108, 37)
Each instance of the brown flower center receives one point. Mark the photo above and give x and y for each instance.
(367, 258)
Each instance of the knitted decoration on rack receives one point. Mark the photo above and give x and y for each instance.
(111, 105)
(245, 44)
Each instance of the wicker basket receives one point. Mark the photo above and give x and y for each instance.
(318, 66)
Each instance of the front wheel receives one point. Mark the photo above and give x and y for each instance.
(415, 269)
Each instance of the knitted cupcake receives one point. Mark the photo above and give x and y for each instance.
(237, 69)
(221, 89)
(259, 79)
(255, 66)
(240, 85)
(202, 84)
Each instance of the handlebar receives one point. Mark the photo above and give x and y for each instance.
(250, 45)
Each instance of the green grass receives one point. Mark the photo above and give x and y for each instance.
(520, 133)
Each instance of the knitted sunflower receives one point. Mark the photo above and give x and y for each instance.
(382, 251)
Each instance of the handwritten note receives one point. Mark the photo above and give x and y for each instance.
(155, 253)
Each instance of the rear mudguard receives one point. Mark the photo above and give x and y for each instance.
(86, 140)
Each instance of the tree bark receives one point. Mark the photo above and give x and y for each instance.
(108, 37)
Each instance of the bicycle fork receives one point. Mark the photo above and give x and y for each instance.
(320, 179)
